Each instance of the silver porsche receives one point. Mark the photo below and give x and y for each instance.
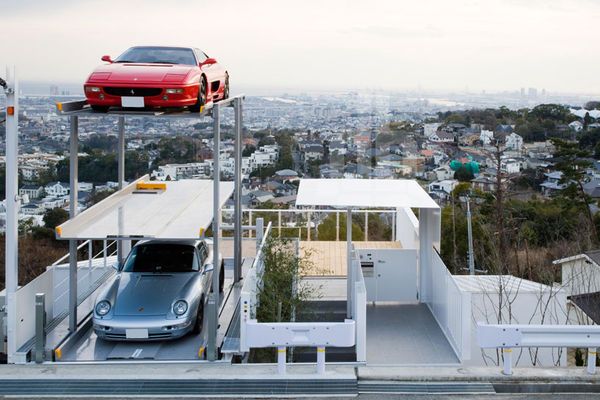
(158, 293)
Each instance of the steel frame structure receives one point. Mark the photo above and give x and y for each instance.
(80, 109)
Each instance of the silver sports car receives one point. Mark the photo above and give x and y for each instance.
(158, 292)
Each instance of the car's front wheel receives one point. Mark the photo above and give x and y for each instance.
(199, 318)
(202, 96)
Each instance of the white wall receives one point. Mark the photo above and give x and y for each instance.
(407, 228)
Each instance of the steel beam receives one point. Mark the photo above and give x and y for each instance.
(349, 272)
(237, 236)
(12, 209)
(213, 298)
(123, 246)
(74, 186)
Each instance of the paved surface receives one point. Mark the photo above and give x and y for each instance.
(405, 334)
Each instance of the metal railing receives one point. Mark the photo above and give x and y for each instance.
(303, 224)
(508, 337)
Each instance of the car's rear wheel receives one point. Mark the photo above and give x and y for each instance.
(102, 109)
(202, 96)
(199, 318)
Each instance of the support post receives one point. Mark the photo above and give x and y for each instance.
(73, 185)
(281, 354)
(337, 226)
(40, 327)
(507, 361)
(260, 231)
(349, 271)
(321, 360)
(366, 226)
(12, 209)
(237, 196)
(279, 223)
(123, 246)
(591, 361)
(213, 297)
(308, 226)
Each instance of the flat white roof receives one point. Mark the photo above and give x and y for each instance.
(491, 284)
(183, 211)
(363, 193)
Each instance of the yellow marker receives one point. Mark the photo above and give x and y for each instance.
(320, 350)
(59, 106)
(281, 350)
(201, 109)
(58, 230)
(58, 354)
(507, 350)
(201, 232)
(151, 186)
(201, 352)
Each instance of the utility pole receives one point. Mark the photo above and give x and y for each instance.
(470, 255)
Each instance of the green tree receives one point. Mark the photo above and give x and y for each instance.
(55, 217)
(327, 228)
(464, 174)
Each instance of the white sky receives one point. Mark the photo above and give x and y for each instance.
(328, 44)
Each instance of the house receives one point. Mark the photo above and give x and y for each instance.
(552, 183)
(486, 137)
(32, 191)
(338, 148)
(592, 188)
(430, 129)
(510, 166)
(313, 152)
(286, 175)
(577, 126)
(484, 182)
(513, 141)
(32, 209)
(442, 137)
(442, 189)
(57, 189)
(443, 173)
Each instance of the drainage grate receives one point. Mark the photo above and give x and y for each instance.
(240, 387)
(425, 387)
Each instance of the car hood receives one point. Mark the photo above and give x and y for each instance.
(143, 294)
(141, 73)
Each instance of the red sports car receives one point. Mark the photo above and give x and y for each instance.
(157, 77)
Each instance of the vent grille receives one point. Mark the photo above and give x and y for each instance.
(128, 91)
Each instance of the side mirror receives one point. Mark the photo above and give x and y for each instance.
(209, 61)
(117, 266)
(207, 268)
(107, 59)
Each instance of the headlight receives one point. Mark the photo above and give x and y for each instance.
(102, 308)
(92, 89)
(174, 91)
(180, 307)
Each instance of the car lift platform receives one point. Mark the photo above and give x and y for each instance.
(149, 210)
(86, 347)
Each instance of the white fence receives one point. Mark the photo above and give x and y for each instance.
(451, 307)
(359, 310)
(507, 337)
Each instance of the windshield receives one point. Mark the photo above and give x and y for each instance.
(158, 55)
(162, 258)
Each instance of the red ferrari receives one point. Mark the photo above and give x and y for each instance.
(157, 77)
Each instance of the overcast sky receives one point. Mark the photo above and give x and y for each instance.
(329, 44)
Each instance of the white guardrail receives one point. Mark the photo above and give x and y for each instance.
(451, 307)
(254, 334)
(507, 337)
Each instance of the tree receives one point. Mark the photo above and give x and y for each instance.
(573, 163)
(464, 174)
(326, 230)
(55, 217)
(248, 150)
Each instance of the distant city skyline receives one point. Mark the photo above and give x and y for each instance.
(492, 45)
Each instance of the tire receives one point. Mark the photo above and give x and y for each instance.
(226, 90)
(199, 318)
(202, 96)
(101, 109)
(222, 277)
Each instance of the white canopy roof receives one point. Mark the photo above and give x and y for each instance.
(363, 193)
(181, 210)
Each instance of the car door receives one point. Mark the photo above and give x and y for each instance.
(205, 262)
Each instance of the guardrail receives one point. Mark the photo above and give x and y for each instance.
(508, 337)
(302, 224)
(451, 307)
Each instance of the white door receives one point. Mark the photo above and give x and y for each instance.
(396, 275)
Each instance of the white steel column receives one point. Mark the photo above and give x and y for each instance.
(74, 185)
(349, 271)
(237, 199)
(12, 209)
(123, 246)
(213, 297)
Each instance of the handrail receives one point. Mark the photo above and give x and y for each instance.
(82, 245)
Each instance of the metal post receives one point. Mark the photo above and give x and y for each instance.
(591, 361)
(308, 227)
(74, 185)
(12, 209)
(260, 231)
(279, 223)
(471, 255)
(366, 226)
(2, 325)
(281, 350)
(213, 297)
(237, 194)
(394, 225)
(40, 327)
(349, 272)
(104, 242)
(337, 226)
(90, 257)
(123, 246)
(250, 223)
(507, 363)
(321, 360)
